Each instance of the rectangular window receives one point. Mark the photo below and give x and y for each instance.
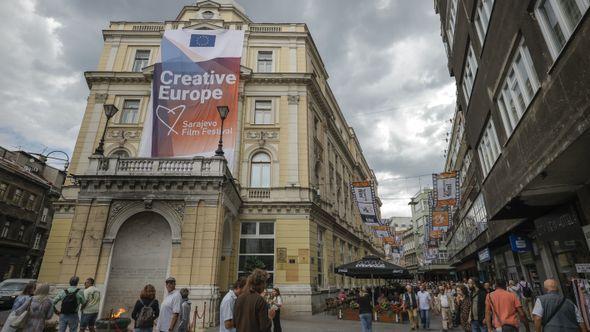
(558, 20)
(5, 230)
(142, 57)
(44, 215)
(264, 61)
(488, 148)
(17, 197)
(257, 248)
(31, 202)
(518, 89)
(37, 243)
(452, 15)
(342, 252)
(469, 74)
(3, 189)
(482, 18)
(263, 112)
(320, 257)
(130, 112)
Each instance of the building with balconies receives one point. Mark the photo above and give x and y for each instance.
(285, 204)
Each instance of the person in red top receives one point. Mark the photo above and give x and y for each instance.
(503, 308)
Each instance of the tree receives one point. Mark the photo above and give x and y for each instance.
(253, 262)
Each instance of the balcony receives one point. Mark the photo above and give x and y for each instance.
(170, 167)
(278, 194)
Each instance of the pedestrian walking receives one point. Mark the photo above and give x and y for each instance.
(146, 310)
(41, 310)
(527, 297)
(478, 305)
(487, 287)
(251, 313)
(365, 311)
(276, 303)
(503, 309)
(184, 317)
(71, 299)
(90, 306)
(21, 303)
(555, 313)
(410, 305)
(424, 304)
(170, 308)
(226, 310)
(463, 305)
(443, 304)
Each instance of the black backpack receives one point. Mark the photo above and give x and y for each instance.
(146, 315)
(526, 291)
(69, 304)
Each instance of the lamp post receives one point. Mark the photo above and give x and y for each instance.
(109, 110)
(223, 112)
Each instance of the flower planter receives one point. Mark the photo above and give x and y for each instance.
(386, 317)
(350, 314)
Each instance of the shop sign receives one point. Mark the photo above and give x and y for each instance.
(583, 268)
(520, 243)
(558, 225)
(484, 255)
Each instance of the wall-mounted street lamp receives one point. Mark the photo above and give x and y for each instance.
(110, 111)
(223, 112)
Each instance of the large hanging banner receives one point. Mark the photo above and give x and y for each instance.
(440, 217)
(364, 196)
(445, 189)
(199, 70)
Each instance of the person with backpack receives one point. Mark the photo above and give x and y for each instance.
(184, 318)
(527, 297)
(554, 312)
(71, 299)
(146, 310)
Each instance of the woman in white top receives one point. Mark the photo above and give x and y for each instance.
(276, 303)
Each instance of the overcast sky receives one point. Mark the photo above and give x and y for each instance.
(385, 59)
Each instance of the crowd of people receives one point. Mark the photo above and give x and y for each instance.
(471, 305)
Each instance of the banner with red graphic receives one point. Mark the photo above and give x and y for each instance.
(199, 71)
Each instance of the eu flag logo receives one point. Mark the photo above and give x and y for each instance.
(202, 41)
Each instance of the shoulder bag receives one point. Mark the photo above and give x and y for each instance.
(550, 317)
(21, 320)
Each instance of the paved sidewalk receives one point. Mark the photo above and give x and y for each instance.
(328, 323)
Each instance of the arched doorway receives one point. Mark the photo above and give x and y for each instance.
(141, 255)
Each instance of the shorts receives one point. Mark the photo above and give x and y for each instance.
(88, 320)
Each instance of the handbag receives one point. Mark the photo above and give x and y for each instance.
(21, 320)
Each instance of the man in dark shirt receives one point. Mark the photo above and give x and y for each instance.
(251, 313)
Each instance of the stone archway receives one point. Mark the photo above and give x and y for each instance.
(140, 256)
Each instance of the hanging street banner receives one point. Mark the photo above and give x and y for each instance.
(382, 231)
(199, 71)
(364, 196)
(445, 189)
(440, 217)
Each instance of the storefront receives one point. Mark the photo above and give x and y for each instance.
(560, 236)
(485, 266)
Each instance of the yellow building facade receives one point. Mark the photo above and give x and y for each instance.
(286, 203)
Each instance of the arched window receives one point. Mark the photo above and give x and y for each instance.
(208, 15)
(260, 171)
(120, 153)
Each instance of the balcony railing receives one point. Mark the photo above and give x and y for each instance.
(198, 166)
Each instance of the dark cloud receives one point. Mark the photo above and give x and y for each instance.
(385, 59)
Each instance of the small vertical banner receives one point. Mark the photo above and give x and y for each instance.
(364, 196)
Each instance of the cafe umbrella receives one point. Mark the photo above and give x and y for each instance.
(372, 267)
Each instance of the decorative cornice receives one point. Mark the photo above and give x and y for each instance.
(94, 77)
